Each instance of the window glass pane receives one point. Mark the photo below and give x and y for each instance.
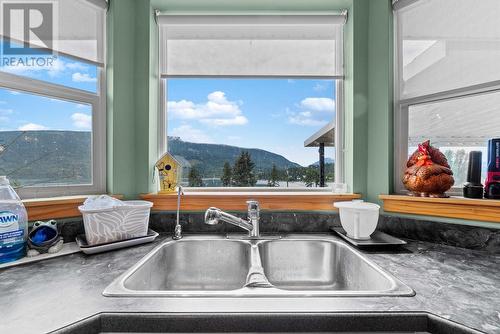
(44, 141)
(211, 122)
(448, 44)
(58, 69)
(457, 127)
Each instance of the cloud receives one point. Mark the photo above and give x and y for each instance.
(183, 109)
(188, 133)
(53, 67)
(82, 121)
(313, 111)
(319, 87)
(15, 92)
(83, 106)
(291, 81)
(77, 66)
(318, 104)
(32, 127)
(216, 111)
(238, 120)
(82, 77)
(301, 119)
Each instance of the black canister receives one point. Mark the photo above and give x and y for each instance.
(473, 188)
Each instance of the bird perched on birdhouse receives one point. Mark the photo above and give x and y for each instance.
(169, 173)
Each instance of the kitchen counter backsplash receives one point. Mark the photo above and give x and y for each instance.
(464, 236)
(471, 237)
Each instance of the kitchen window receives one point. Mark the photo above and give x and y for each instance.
(447, 80)
(52, 102)
(253, 101)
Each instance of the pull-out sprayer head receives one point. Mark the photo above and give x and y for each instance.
(212, 216)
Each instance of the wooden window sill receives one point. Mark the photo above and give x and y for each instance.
(55, 207)
(235, 201)
(452, 207)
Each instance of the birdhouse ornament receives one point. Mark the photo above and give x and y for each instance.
(169, 173)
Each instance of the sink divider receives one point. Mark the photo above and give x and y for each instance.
(256, 278)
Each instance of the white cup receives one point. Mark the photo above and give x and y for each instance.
(359, 219)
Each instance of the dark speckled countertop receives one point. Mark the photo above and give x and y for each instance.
(455, 283)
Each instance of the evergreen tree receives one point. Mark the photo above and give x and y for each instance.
(243, 175)
(195, 179)
(311, 176)
(227, 174)
(273, 178)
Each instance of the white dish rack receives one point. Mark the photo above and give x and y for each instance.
(104, 225)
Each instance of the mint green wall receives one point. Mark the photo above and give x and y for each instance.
(380, 88)
(132, 98)
(121, 113)
(356, 96)
(146, 94)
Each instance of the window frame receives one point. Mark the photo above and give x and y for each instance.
(339, 121)
(98, 153)
(339, 136)
(401, 108)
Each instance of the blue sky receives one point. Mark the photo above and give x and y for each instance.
(272, 114)
(23, 111)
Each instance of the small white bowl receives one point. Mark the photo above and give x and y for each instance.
(358, 218)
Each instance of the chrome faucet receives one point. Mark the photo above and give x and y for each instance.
(214, 216)
(178, 228)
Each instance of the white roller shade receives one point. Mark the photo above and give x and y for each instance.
(251, 45)
(447, 44)
(78, 27)
(466, 121)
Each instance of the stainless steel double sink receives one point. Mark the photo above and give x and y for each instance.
(292, 266)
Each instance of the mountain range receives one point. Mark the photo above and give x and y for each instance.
(209, 159)
(46, 157)
(327, 161)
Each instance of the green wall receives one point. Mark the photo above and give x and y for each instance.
(132, 97)
(121, 113)
(380, 121)
(133, 89)
(356, 110)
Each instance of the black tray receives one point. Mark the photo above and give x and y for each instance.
(377, 239)
(87, 249)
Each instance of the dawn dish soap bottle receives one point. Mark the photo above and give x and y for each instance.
(13, 223)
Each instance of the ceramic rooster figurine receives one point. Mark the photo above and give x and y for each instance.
(428, 173)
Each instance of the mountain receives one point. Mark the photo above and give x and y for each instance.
(327, 161)
(48, 157)
(209, 158)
